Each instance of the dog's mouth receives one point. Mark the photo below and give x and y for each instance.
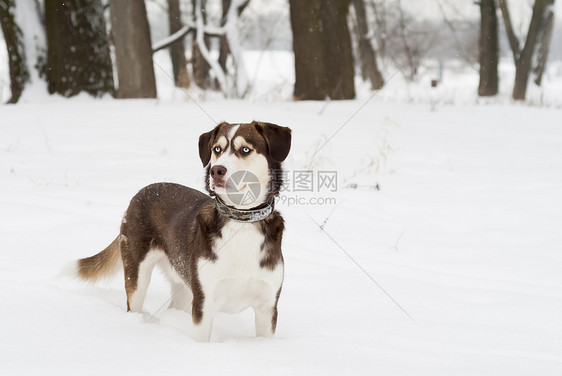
(219, 184)
(222, 185)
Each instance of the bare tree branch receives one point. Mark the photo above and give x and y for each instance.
(458, 44)
(367, 54)
(199, 39)
(381, 26)
(166, 42)
(413, 67)
(513, 40)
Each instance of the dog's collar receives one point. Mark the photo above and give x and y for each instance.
(244, 215)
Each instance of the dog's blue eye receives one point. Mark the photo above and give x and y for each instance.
(245, 150)
(217, 149)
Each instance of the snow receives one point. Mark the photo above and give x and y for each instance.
(5, 92)
(27, 18)
(464, 234)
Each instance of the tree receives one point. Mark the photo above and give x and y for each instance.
(404, 39)
(488, 49)
(411, 51)
(367, 55)
(544, 42)
(24, 35)
(310, 67)
(463, 38)
(78, 52)
(199, 64)
(230, 78)
(523, 57)
(19, 74)
(224, 49)
(177, 49)
(381, 31)
(133, 50)
(322, 47)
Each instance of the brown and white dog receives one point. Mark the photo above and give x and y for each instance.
(221, 254)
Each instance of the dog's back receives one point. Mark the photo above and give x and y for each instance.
(152, 209)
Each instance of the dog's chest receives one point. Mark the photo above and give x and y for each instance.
(235, 280)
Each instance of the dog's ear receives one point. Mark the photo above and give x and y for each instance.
(205, 145)
(278, 139)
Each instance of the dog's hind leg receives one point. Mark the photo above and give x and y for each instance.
(181, 293)
(137, 279)
(181, 297)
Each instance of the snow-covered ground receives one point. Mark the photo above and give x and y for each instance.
(464, 233)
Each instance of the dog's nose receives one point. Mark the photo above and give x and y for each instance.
(218, 171)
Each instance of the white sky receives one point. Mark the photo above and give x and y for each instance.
(520, 9)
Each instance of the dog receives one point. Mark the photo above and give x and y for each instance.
(221, 252)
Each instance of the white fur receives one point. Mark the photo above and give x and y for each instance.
(233, 131)
(235, 281)
(181, 293)
(69, 270)
(136, 299)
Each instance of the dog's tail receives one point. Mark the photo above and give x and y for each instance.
(104, 264)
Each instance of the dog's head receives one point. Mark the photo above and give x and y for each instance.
(244, 161)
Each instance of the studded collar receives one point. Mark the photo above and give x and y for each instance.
(245, 215)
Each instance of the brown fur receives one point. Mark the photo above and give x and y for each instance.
(104, 263)
(275, 312)
(272, 228)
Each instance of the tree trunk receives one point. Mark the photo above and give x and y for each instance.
(133, 49)
(511, 37)
(523, 67)
(199, 65)
(310, 66)
(322, 47)
(239, 74)
(367, 53)
(78, 53)
(223, 42)
(337, 49)
(488, 85)
(13, 37)
(224, 50)
(177, 49)
(544, 42)
(523, 58)
(380, 22)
